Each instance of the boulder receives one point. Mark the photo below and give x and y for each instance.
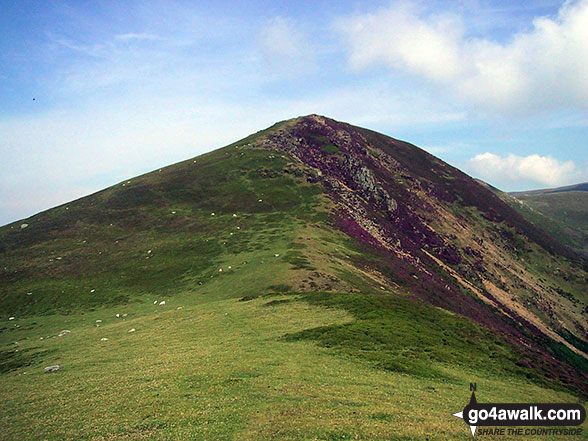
(50, 369)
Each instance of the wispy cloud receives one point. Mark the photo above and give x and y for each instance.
(285, 47)
(134, 36)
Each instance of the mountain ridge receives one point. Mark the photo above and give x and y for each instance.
(562, 212)
(581, 186)
(411, 223)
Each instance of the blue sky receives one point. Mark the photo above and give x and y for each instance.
(95, 92)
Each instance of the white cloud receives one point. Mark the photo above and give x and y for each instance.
(285, 47)
(542, 68)
(513, 169)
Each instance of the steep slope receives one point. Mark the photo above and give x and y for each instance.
(432, 220)
(438, 276)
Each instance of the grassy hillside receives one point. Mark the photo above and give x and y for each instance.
(156, 234)
(561, 212)
(312, 291)
(230, 369)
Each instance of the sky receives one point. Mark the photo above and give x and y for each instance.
(95, 92)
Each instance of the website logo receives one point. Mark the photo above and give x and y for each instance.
(494, 418)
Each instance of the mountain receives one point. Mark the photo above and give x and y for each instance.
(562, 212)
(576, 187)
(305, 282)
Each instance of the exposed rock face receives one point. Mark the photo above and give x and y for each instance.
(357, 178)
(367, 184)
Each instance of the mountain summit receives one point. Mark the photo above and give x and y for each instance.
(435, 269)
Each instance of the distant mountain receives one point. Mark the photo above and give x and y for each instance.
(576, 187)
(441, 278)
(562, 212)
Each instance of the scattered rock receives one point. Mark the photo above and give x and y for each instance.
(212, 214)
(276, 255)
(229, 266)
(103, 339)
(162, 303)
(180, 307)
(148, 251)
(131, 330)
(220, 270)
(10, 318)
(155, 302)
(93, 290)
(124, 315)
(234, 214)
(98, 321)
(261, 200)
(50, 369)
(62, 333)
(23, 226)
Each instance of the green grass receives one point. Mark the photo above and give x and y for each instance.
(223, 370)
(325, 145)
(157, 234)
(569, 207)
(563, 215)
(384, 333)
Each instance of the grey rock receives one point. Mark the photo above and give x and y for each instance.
(50, 369)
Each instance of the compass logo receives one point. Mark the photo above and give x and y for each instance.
(492, 417)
